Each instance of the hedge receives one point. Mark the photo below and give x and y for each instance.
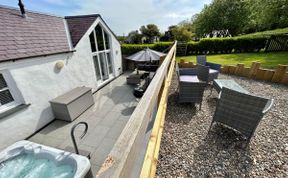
(128, 49)
(207, 45)
(227, 45)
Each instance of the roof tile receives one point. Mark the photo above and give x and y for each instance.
(34, 35)
(78, 25)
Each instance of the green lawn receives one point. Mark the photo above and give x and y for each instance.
(268, 32)
(268, 60)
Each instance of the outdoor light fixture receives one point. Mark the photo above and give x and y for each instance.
(59, 64)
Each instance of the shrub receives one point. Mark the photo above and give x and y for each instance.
(249, 44)
(128, 49)
(226, 45)
(207, 45)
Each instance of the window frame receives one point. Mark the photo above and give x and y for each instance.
(11, 87)
(105, 51)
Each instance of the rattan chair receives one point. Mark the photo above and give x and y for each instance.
(241, 111)
(191, 86)
(214, 69)
(191, 92)
(196, 74)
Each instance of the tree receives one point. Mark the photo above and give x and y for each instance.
(150, 31)
(134, 37)
(121, 39)
(221, 15)
(241, 16)
(181, 33)
(267, 14)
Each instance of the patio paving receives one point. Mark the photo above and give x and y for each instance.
(113, 107)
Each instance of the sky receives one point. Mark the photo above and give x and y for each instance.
(122, 16)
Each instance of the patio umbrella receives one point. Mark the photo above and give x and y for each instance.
(146, 55)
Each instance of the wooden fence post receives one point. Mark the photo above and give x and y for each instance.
(285, 79)
(224, 69)
(239, 69)
(268, 75)
(246, 71)
(253, 70)
(231, 69)
(260, 74)
(279, 73)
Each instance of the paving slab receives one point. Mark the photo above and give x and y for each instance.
(106, 119)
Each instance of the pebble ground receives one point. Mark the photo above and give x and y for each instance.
(189, 150)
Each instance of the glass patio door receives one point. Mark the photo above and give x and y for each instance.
(103, 66)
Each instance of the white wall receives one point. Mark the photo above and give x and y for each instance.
(38, 81)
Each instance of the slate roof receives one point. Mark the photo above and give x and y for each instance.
(78, 25)
(37, 35)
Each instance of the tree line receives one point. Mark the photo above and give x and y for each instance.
(236, 16)
(241, 16)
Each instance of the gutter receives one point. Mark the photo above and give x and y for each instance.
(41, 55)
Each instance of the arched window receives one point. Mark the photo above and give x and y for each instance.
(100, 47)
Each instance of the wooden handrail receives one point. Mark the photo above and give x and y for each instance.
(123, 155)
(152, 152)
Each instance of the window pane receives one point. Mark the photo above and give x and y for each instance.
(107, 44)
(92, 42)
(109, 63)
(96, 66)
(99, 37)
(103, 64)
(2, 82)
(5, 97)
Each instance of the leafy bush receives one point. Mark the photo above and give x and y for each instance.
(207, 45)
(128, 49)
(226, 45)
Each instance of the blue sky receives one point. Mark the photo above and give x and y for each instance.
(121, 15)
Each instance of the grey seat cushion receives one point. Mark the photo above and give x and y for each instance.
(189, 78)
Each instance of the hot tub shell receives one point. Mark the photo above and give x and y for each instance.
(78, 162)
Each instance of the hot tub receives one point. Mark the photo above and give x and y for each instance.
(28, 159)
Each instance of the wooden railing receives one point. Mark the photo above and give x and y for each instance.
(152, 152)
(125, 152)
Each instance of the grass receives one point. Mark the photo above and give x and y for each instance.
(268, 60)
(268, 32)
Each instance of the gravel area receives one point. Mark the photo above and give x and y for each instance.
(189, 150)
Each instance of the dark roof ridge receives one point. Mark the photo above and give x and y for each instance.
(30, 11)
(82, 16)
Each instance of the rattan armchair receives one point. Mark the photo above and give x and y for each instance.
(214, 69)
(241, 111)
(196, 74)
(191, 84)
(190, 92)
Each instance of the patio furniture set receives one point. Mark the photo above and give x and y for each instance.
(235, 108)
(147, 62)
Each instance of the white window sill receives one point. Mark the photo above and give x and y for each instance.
(12, 109)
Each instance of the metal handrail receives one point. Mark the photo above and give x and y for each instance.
(83, 134)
